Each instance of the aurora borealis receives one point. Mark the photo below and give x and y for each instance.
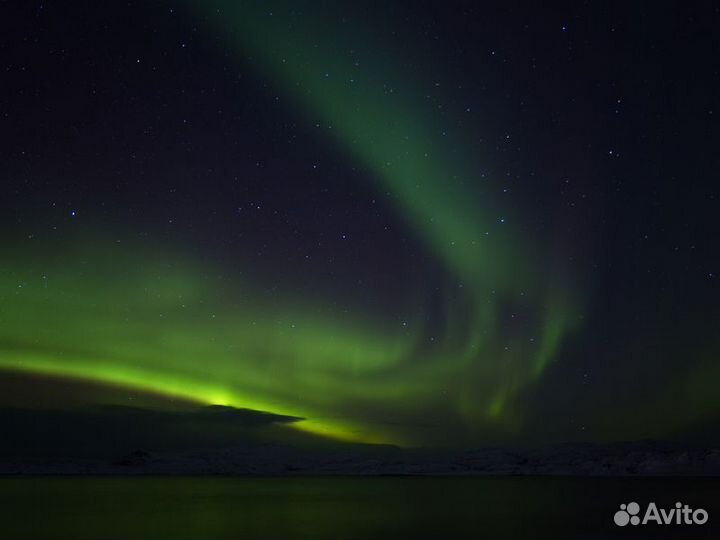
(403, 228)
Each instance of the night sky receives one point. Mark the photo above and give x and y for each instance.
(405, 223)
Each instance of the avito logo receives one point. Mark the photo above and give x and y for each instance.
(680, 515)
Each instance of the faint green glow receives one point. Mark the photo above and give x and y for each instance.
(373, 107)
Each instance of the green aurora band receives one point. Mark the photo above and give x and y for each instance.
(156, 321)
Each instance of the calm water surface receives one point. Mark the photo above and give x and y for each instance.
(342, 508)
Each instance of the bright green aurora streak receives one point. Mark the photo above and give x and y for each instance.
(171, 329)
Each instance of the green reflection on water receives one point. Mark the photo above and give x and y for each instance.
(177, 508)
